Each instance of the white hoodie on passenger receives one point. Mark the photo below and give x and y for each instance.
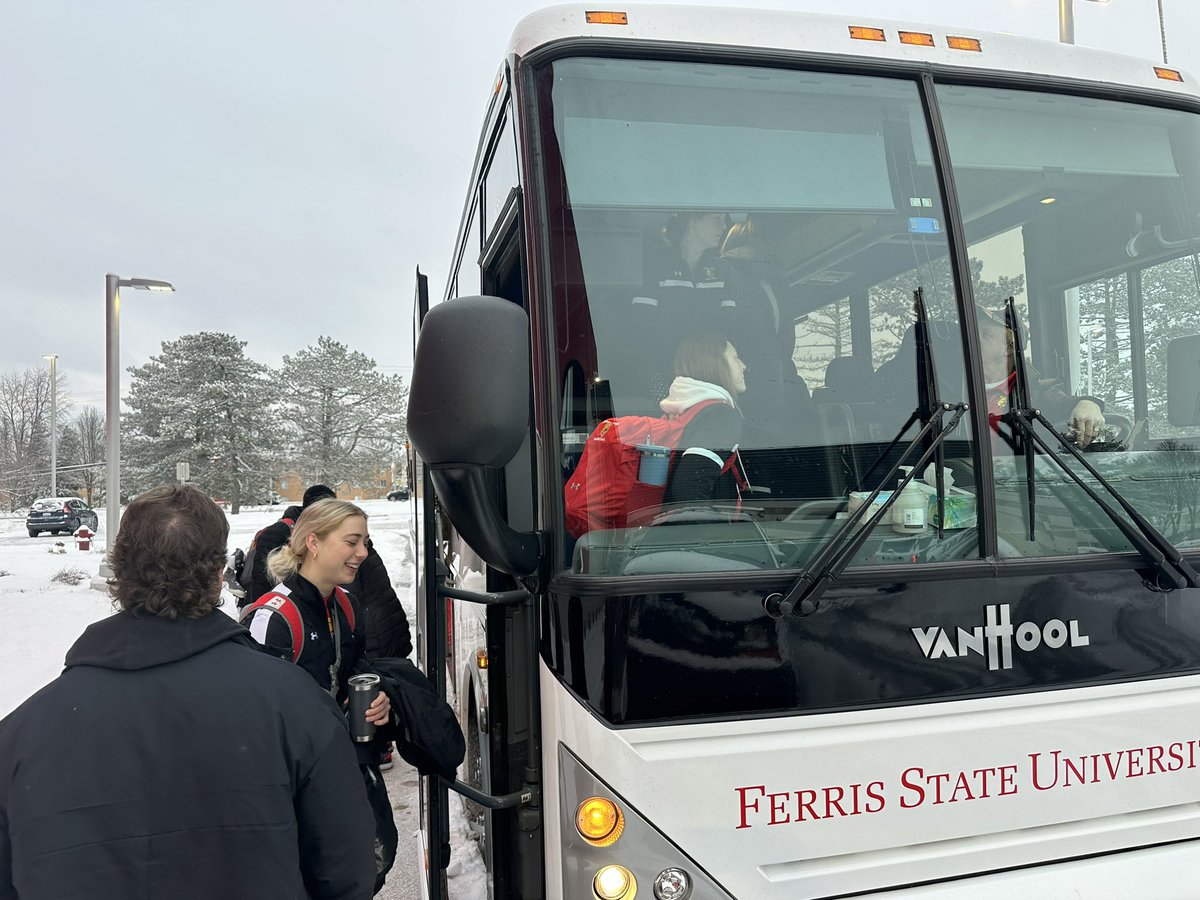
(687, 392)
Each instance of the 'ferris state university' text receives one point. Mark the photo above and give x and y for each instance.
(919, 786)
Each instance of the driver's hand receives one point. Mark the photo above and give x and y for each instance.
(1087, 421)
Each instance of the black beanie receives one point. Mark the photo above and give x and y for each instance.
(317, 492)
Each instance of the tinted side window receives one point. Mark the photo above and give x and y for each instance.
(502, 176)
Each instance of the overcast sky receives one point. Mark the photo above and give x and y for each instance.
(287, 163)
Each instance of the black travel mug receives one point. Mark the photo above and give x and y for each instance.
(363, 691)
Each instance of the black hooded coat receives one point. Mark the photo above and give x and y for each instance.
(173, 759)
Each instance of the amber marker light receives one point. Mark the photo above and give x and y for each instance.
(1168, 74)
(862, 33)
(919, 38)
(964, 43)
(481, 659)
(599, 821)
(604, 17)
(614, 883)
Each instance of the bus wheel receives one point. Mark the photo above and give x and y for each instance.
(475, 814)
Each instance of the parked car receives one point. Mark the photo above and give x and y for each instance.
(398, 494)
(59, 515)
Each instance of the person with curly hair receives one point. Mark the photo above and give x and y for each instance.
(209, 769)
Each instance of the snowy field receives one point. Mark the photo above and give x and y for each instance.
(44, 613)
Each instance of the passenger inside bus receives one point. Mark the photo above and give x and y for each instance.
(762, 325)
(707, 369)
(1084, 416)
(685, 286)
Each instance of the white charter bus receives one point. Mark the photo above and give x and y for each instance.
(941, 641)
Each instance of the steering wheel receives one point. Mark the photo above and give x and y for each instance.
(1114, 437)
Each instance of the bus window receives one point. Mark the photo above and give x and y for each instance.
(1082, 209)
(796, 215)
(501, 177)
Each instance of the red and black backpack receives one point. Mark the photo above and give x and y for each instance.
(281, 604)
(604, 491)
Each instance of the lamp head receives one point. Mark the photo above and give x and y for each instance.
(146, 284)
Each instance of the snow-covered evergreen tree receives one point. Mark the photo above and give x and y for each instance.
(202, 401)
(346, 417)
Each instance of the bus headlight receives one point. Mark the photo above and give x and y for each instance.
(609, 849)
(599, 821)
(672, 884)
(614, 883)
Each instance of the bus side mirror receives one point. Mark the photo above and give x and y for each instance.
(1183, 380)
(468, 414)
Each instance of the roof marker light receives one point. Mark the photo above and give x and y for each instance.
(605, 17)
(863, 33)
(1168, 74)
(964, 43)
(919, 38)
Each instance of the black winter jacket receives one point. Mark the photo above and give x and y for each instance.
(172, 759)
(699, 478)
(385, 624)
(270, 538)
(271, 630)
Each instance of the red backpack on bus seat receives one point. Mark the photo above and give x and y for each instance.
(604, 490)
(283, 605)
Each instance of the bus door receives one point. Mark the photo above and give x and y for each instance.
(477, 623)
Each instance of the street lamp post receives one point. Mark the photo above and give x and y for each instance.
(112, 389)
(1066, 20)
(53, 357)
(1162, 31)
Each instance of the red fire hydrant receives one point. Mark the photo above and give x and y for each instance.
(83, 538)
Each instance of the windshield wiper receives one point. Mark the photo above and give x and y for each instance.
(927, 403)
(1153, 546)
(805, 593)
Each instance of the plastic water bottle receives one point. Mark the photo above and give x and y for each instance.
(911, 512)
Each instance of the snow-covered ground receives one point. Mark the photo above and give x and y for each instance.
(44, 613)
(43, 616)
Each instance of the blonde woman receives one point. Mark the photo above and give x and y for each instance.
(327, 545)
(308, 619)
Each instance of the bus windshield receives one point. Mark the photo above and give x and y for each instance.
(735, 253)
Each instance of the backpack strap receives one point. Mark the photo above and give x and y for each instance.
(343, 600)
(282, 605)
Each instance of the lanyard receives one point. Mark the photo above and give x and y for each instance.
(335, 633)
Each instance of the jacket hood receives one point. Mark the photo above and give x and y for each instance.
(127, 642)
(292, 512)
(687, 392)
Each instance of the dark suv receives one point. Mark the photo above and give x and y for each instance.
(59, 515)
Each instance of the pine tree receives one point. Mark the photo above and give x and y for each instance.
(201, 401)
(347, 418)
